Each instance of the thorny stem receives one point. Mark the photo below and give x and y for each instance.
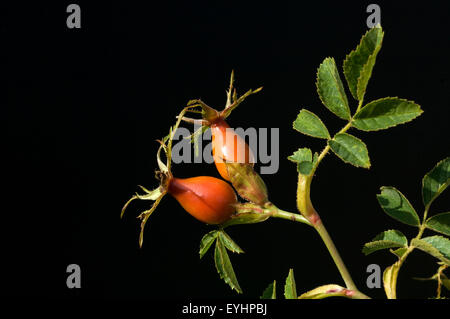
(327, 148)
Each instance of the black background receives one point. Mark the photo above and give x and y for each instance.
(84, 107)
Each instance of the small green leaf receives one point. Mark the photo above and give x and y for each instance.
(436, 246)
(440, 243)
(290, 290)
(366, 71)
(440, 223)
(390, 281)
(436, 181)
(350, 149)
(207, 241)
(399, 252)
(359, 63)
(304, 159)
(270, 292)
(304, 167)
(395, 204)
(310, 124)
(384, 113)
(330, 89)
(386, 239)
(301, 155)
(229, 243)
(325, 292)
(224, 267)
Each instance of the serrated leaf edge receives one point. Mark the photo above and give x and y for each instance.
(385, 98)
(209, 245)
(290, 284)
(355, 96)
(301, 148)
(374, 55)
(233, 247)
(348, 162)
(407, 200)
(394, 243)
(441, 189)
(433, 249)
(227, 279)
(321, 122)
(320, 96)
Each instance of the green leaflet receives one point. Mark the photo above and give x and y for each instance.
(207, 242)
(395, 204)
(436, 246)
(270, 292)
(359, 63)
(440, 223)
(301, 155)
(224, 267)
(310, 124)
(436, 181)
(229, 243)
(350, 149)
(387, 239)
(330, 89)
(384, 113)
(304, 159)
(290, 290)
(399, 252)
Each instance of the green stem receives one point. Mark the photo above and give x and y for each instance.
(305, 207)
(319, 226)
(278, 213)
